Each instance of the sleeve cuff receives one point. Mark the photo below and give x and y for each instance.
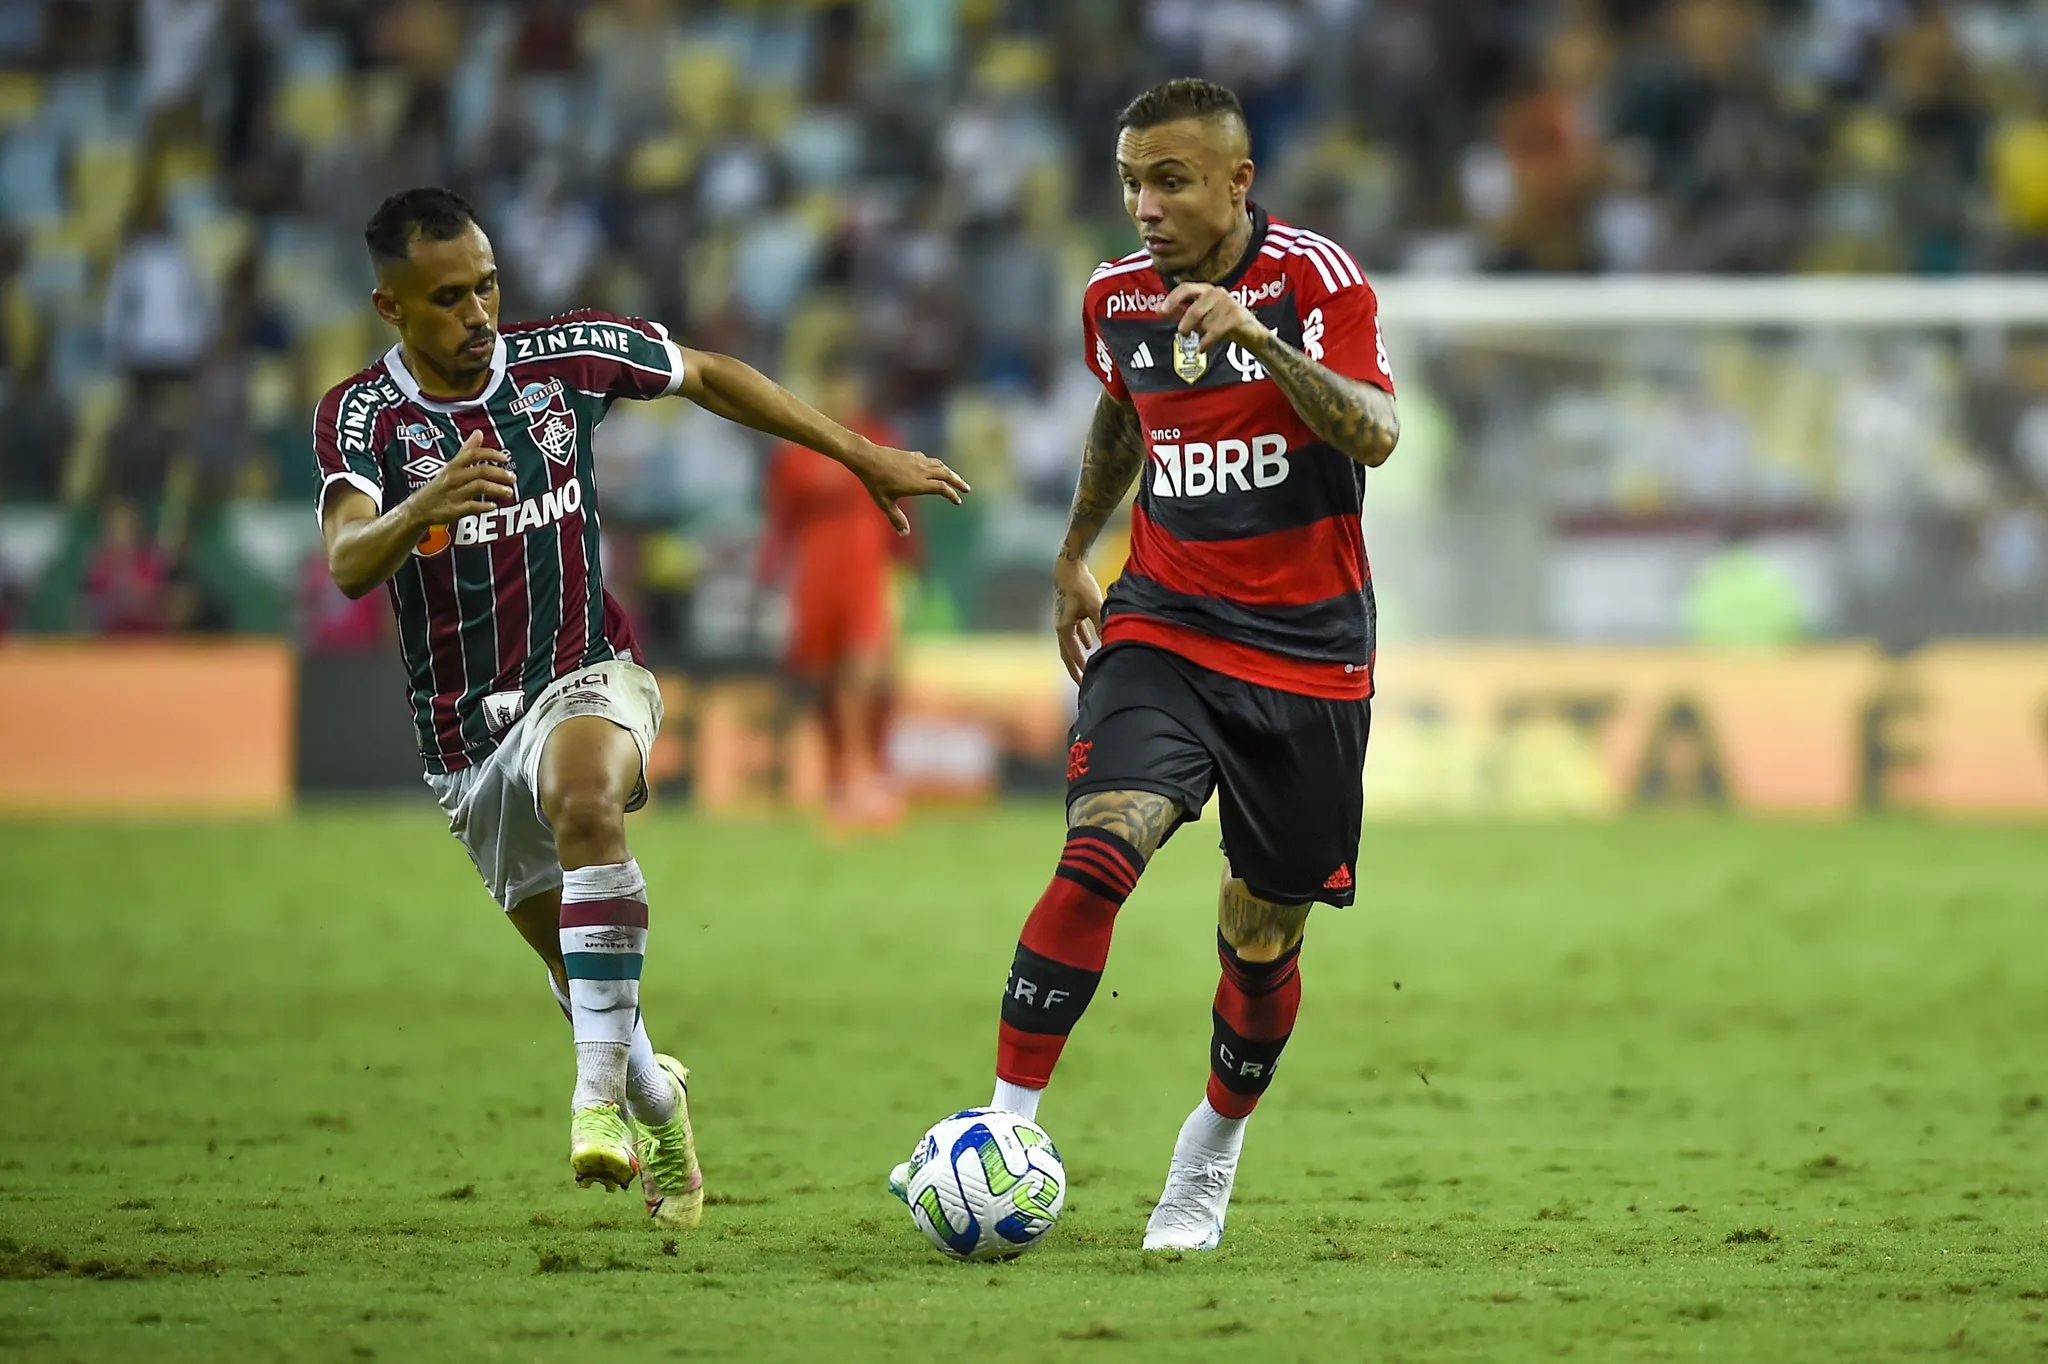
(354, 480)
(675, 364)
(675, 360)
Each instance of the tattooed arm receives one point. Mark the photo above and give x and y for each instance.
(1356, 417)
(1110, 461)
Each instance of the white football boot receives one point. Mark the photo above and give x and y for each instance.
(1199, 1179)
(1194, 1205)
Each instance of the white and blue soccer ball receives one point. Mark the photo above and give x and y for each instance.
(986, 1185)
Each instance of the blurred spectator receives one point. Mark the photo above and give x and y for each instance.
(146, 440)
(159, 312)
(2012, 553)
(24, 33)
(1043, 416)
(178, 39)
(128, 582)
(1741, 598)
(191, 605)
(35, 433)
(12, 601)
(923, 44)
(423, 39)
(550, 240)
(224, 442)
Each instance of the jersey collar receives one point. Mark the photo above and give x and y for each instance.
(1244, 265)
(394, 365)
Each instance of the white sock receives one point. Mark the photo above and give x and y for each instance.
(1016, 1099)
(650, 1096)
(1209, 1134)
(604, 944)
(600, 1075)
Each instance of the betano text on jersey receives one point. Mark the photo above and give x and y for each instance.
(496, 607)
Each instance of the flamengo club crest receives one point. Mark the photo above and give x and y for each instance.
(549, 422)
(1190, 361)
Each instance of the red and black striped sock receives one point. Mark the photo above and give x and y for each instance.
(1256, 1004)
(1062, 951)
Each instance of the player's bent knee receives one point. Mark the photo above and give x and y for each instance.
(1259, 930)
(582, 816)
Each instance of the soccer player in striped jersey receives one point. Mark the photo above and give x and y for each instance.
(456, 472)
(1246, 392)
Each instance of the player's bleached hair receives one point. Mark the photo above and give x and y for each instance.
(426, 214)
(1179, 98)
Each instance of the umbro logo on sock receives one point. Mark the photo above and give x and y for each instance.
(608, 938)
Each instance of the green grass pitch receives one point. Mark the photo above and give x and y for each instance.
(1634, 1091)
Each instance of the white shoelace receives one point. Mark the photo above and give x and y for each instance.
(1195, 1191)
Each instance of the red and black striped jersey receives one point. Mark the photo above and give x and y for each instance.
(498, 606)
(1247, 555)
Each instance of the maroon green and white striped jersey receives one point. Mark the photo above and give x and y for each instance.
(496, 607)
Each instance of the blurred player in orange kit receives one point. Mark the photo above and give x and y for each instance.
(822, 541)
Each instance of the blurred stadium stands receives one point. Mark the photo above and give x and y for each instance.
(182, 183)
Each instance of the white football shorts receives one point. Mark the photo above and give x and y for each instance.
(494, 806)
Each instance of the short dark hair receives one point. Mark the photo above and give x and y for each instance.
(1179, 98)
(428, 214)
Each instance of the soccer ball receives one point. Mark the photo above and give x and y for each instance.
(986, 1185)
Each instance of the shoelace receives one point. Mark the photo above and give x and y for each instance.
(604, 1120)
(667, 1161)
(1209, 1179)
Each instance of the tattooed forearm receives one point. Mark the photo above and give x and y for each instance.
(1258, 930)
(1142, 819)
(1354, 416)
(1110, 460)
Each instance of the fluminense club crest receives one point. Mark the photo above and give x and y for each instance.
(550, 423)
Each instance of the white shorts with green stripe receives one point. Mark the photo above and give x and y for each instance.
(494, 807)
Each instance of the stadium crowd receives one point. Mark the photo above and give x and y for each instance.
(183, 184)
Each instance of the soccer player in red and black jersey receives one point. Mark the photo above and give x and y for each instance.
(456, 472)
(1246, 392)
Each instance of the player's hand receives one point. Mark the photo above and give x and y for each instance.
(477, 480)
(1211, 316)
(891, 475)
(1076, 613)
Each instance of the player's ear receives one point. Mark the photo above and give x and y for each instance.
(387, 306)
(1241, 177)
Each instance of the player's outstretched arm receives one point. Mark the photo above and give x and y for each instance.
(1110, 461)
(365, 547)
(740, 393)
(1356, 417)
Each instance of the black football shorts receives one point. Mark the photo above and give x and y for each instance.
(1291, 767)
